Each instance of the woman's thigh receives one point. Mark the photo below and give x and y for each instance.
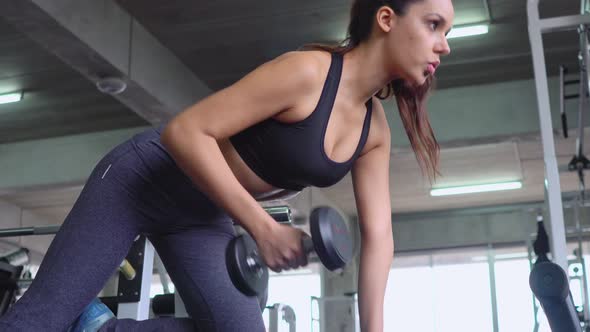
(195, 260)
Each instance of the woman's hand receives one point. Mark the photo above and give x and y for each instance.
(282, 248)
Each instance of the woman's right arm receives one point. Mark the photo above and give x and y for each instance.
(191, 137)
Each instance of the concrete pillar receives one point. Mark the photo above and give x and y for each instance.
(337, 308)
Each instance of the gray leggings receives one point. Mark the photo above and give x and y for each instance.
(138, 189)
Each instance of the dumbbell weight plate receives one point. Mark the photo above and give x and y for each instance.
(262, 299)
(246, 279)
(331, 238)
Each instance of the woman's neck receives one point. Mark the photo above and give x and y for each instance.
(365, 72)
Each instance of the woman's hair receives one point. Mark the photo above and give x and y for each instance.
(411, 100)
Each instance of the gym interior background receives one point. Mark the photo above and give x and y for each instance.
(461, 263)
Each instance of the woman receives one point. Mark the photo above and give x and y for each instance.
(305, 118)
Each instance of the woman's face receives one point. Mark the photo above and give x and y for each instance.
(417, 40)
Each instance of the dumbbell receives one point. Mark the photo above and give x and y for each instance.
(330, 240)
(240, 250)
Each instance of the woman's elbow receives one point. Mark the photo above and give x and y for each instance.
(378, 240)
(377, 231)
(175, 133)
(169, 134)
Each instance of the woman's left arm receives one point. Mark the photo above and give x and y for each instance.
(370, 177)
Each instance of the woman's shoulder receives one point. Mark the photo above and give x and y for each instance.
(304, 70)
(309, 57)
(308, 62)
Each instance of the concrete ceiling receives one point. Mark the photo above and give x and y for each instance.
(223, 40)
(56, 51)
(57, 100)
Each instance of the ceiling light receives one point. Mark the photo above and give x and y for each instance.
(11, 97)
(468, 30)
(476, 189)
(111, 85)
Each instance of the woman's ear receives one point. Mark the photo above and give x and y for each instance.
(386, 18)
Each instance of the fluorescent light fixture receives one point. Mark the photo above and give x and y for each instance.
(501, 257)
(476, 189)
(468, 30)
(11, 97)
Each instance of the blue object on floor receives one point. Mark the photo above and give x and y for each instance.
(92, 318)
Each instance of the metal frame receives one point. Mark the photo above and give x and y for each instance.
(274, 317)
(179, 307)
(580, 258)
(140, 310)
(493, 295)
(536, 27)
(133, 296)
(159, 265)
(562, 97)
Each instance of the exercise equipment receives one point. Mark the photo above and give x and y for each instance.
(243, 254)
(245, 266)
(7, 294)
(132, 299)
(164, 304)
(538, 26)
(281, 214)
(550, 284)
(330, 240)
(17, 258)
(281, 312)
(562, 316)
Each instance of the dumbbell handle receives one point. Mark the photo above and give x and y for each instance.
(255, 263)
(308, 246)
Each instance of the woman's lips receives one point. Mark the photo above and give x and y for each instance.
(431, 69)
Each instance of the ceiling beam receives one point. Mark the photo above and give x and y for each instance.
(99, 39)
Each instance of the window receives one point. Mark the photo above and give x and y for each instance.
(296, 291)
(409, 304)
(462, 297)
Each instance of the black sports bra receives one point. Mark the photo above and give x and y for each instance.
(291, 155)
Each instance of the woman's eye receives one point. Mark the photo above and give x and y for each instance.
(433, 25)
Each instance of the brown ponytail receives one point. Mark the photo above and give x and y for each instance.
(411, 103)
